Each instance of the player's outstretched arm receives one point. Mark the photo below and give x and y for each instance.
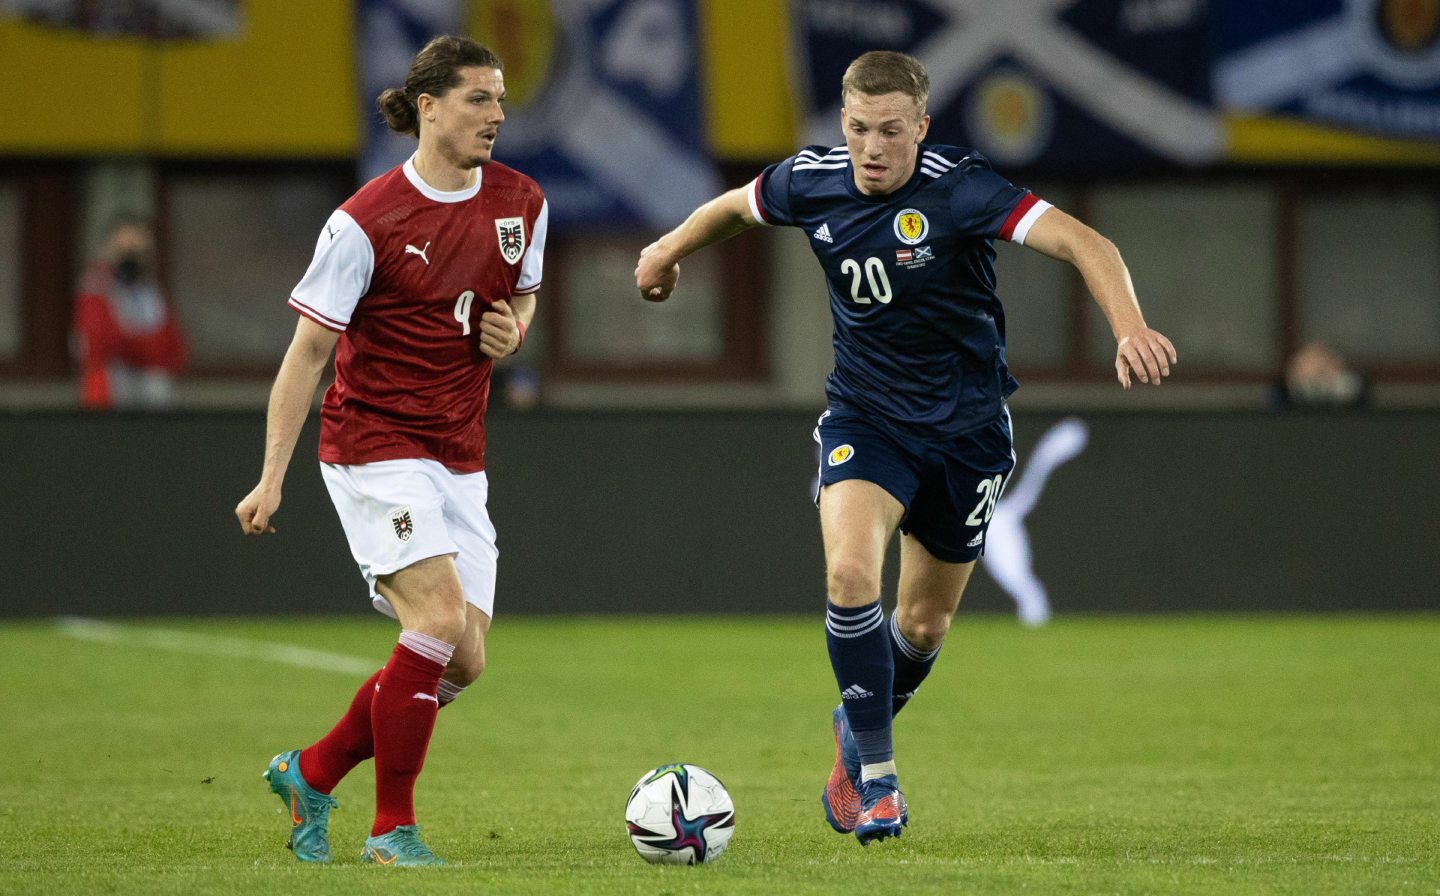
(658, 271)
(1138, 349)
(289, 405)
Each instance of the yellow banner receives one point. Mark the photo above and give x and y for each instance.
(749, 103)
(1289, 141)
(280, 84)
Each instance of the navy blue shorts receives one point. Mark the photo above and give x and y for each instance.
(948, 488)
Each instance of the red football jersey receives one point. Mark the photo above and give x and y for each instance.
(403, 271)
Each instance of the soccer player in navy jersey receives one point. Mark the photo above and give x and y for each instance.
(418, 283)
(916, 435)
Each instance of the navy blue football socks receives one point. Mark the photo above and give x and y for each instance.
(911, 666)
(861, 658)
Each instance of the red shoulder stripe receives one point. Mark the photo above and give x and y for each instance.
(759, 206)
(1027, 202)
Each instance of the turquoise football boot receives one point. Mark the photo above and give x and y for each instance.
(401, 847)
(309, 808)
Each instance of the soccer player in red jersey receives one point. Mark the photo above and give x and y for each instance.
(419, 282)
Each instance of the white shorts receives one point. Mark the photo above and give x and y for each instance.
(398, 512)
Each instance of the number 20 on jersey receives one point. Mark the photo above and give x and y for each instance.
(873, 272)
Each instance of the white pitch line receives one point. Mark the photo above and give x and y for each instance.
(212, 645)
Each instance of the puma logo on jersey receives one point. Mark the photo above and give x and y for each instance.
(411, 250)
(823, 234)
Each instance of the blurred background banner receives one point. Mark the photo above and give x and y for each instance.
(1269, 171)
(609, 120)
(389, 33)
(1331, 68)
(177, 19)
(1057, 86)
(178, 80)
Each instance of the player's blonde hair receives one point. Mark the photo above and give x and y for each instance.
(884, 71)
(434, 70)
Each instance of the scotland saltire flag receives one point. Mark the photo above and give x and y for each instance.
(1365, 65)
(1053, 84)
(388, 34)
(613, 131)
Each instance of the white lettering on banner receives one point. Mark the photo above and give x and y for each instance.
(879, 23)
(1149, 16)
(1403, 116)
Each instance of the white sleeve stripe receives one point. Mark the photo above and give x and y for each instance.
(316, 316)
(527, 290)
(1022, 229)
(532, 264)
(752, 196)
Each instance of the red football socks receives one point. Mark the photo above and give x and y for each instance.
(402, 716)
(349, 743)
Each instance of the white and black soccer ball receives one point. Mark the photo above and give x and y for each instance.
(679, 814)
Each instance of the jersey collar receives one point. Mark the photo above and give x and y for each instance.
(430, 192)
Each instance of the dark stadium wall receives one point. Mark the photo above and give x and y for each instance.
(130, 515)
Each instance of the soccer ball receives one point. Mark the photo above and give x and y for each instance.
(679, 814)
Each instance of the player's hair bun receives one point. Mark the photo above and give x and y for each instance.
(400, 113)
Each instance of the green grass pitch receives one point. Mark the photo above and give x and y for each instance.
(1184, 754)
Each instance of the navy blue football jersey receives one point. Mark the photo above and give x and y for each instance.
(919, 333)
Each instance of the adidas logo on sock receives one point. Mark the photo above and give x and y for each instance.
(855, 692)
(823, 234)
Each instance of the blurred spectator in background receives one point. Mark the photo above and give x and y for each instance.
(124, 335)
(517, 384)
(1317, 377)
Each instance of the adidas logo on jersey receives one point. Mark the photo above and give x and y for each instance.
(975, 542)
(855, 692)
(823, 234)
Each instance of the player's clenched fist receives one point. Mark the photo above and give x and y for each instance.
(654, 277)
(500, 332)
(255, 509)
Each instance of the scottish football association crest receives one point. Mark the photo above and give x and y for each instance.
(911, 226)
(511, 232)
(404, 525)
